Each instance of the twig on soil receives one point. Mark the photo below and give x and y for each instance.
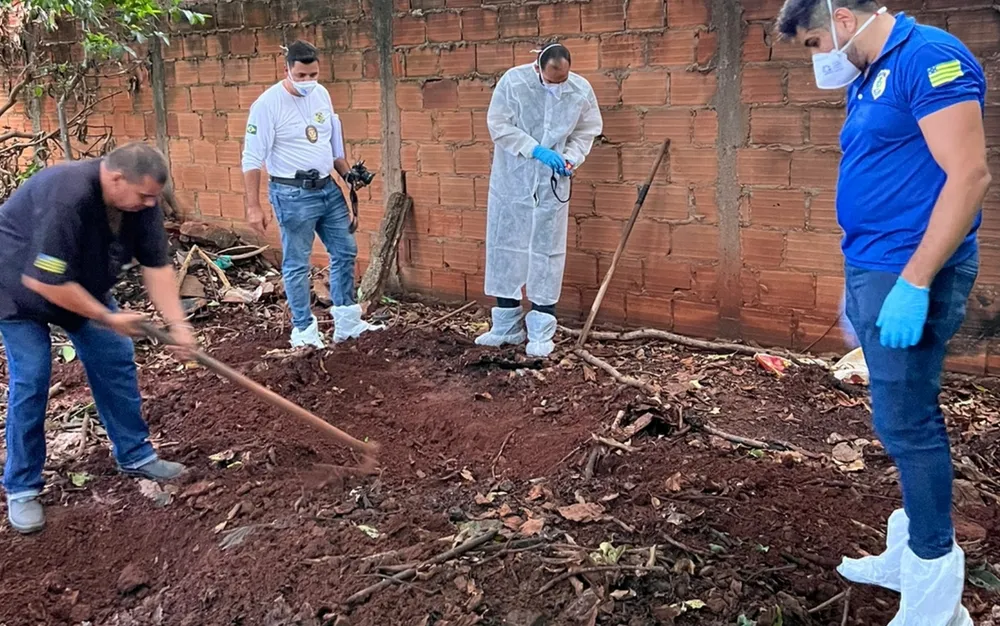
(182, 273)
(218, 270)
(683, 547)
(611, 443)
(598, 568)
(821, 337)
(753, 443)
(847, 608)
(588, 471)
(496, 459)
(829, 602)
(563, 460)
(652, 390)
(444, 557)
(447, 316)
(56, 389)
(84, 433)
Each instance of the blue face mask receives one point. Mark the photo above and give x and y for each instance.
(305, 87)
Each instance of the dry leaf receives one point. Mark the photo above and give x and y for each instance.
(845, 453)
(505, 510)
(855, 466)
(589, 374)
(583, 513)
(674, 483)
(467, 475)
(513, 522)
(532, 527)
(484, 500)
(537, 493)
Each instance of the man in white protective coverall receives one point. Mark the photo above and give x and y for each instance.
(543, 119)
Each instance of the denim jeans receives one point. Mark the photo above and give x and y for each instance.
(109, 361)
(302, 214)
(905, 385)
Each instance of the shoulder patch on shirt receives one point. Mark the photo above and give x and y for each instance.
(944, 73)
(251, 129)
(50, 264)
(320, 117)
(878, 87)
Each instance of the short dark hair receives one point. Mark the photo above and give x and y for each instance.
(136, 161)
(553, 52)
(811, 14)
(301, 52)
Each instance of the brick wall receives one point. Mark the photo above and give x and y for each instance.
(738, 236)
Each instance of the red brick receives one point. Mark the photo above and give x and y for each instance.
(178, 98)
(202, 99)
(480, 131)
(627, 276)
(409, 96)
(366, 95)
(781, 208)
(474, 159)
(667, 202)
(649, 312)
(767, 328)
(614, 200)
(453, 126)
(415, 278)
(448, 284)
(814, 252)
(473, 222)
(761, 9)
(622, 125)
(427, 253)
(424, 190)
(696, 165)
(236, 184)
(649, 239)
(761, 248)
(776, 126)
(581, 269)
(482, 186)
(692, 88)
(209, 204)
(436, 159)
(559, 19)
(229, 153)
(687, 12)
(416, 125)
(421, 62)
(756, 44)
(645, 88)
(190, 177)
(621, 51)
(463, 255)
(606, 88)
(603, 235)
(673, 123)
(664, 275)
(646, 14)
(458, 61)
(472, 94)
(480, 25)
(203, 152)
(705, 47)
(586, 51)
(763, 167)
(440, 94)
(186, 72)
(407, 30)
(457, 191)
(248, 94)
(603, 16)
(815, 169)
(823, 212)
(695, 241)
(825, 125)
(979, 30)
(816, 332)
(188, 125)
(602, 164)
(217, 177)
(442, 27)
(696, 319)
(802, 87)
(263, 70)
(226, 98)
(763, 85)
(409, 157)
(706, 127)
(519, 21)
(787, 289)
(209, 71)
(269, 41)
(234, 207)
(445, 223)
(180, 151)
(493, 58)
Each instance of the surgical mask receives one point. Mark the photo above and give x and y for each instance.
(833, 70)
(304, 87)
(554, 88)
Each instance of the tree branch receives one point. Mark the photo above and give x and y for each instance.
(14, 93)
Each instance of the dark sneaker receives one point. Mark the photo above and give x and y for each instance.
(158, 470)
(26, 515)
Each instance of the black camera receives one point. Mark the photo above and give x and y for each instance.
(359, 176)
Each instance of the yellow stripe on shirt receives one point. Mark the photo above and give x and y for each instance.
(944, 73)
(50, 264)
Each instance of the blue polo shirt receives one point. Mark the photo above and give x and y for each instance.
(889, 181)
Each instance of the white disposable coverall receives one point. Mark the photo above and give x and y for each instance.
(525, 223)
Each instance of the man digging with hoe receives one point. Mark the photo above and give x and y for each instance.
(64, 236)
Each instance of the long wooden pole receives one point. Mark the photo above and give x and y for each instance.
(643, 191)
(367, 450)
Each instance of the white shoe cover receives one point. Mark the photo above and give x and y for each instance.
(931, 593)
(881, 570)
(347, 323)
(541, 330)
(308, 337)
(506, 329)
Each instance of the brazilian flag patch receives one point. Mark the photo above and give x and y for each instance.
(251, 129)
(50, 264)
(944, 73)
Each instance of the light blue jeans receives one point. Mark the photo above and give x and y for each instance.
(302, 214)
(109, 360)
(905, 385)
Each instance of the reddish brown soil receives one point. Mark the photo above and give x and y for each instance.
(765, 531)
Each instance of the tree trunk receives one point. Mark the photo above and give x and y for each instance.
(385, 248)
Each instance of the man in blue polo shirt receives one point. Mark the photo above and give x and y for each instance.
(912, 180)
(64, 236)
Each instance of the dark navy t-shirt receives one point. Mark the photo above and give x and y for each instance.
(55, 229)
(889, 182)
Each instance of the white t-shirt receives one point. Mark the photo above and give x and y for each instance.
(289, 133)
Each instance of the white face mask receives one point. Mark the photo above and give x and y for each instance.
(554, 88)
(833, 69)
(304, 87)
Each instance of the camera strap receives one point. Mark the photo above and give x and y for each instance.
(354, 211)
(554, 183)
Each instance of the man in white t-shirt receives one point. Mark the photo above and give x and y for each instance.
(294, 132)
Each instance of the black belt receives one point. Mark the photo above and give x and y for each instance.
(305, 183)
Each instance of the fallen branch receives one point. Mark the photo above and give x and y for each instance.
(829, 602)
(436, 321)
(493, 468)
(182, 273)
(595, 453)
(598, 568)
(444, 557)
(612, 443)
(218, 270)
(847, 608)
(650, 389)
(753, 443)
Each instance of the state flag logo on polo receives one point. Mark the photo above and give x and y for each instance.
(320, 117)
(878, 87)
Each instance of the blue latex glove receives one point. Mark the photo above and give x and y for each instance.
(903, 315)
(550, 158)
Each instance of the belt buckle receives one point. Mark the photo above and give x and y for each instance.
(309, 184)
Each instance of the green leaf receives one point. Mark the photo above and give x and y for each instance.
(68, 354)
(694, 604)
(743, 620)
(80, 479)
(757, 454)
(983, 578)
(716, 548)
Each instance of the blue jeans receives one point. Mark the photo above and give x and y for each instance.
(109, 361)
(905, 385)
(302, 214)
